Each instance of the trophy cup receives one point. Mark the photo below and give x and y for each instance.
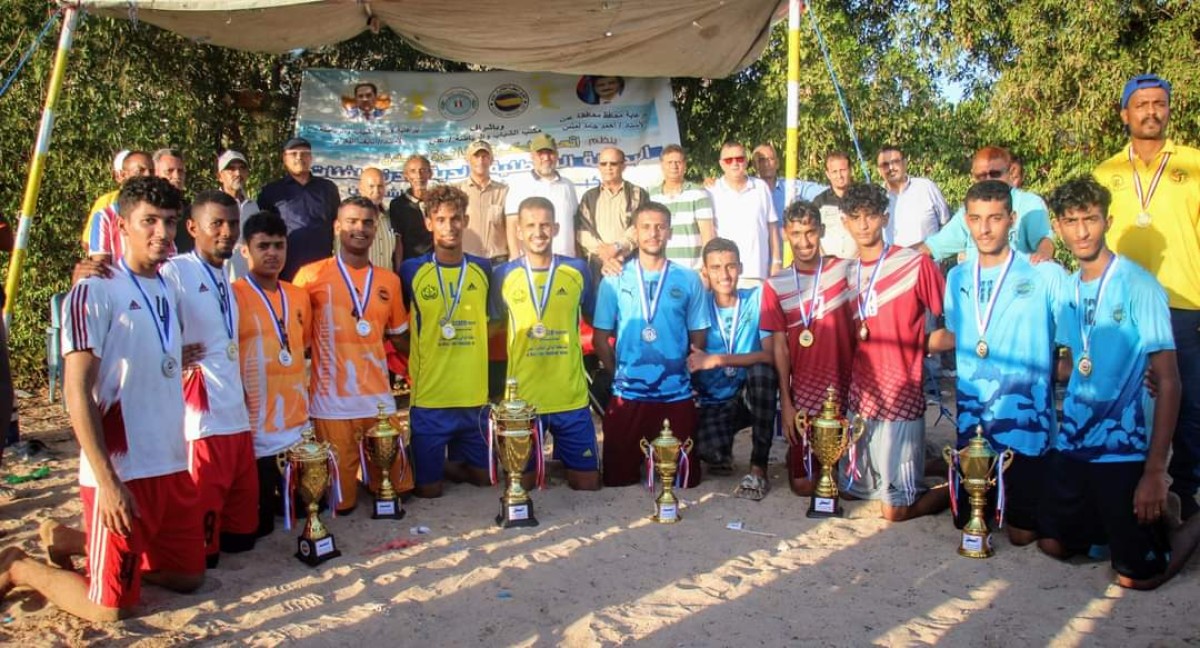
(977, 464)
(829, 435)
(512, 420)
(306, 468)
(663, 455)
(383, 443)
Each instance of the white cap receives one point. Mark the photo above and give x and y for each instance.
(229, 156)
(119, 160)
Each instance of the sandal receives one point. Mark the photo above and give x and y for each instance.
(753, 488)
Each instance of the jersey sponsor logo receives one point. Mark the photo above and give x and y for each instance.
(1024, 288)
(519, 295)
(1179, 176)
(429, 293)
(133, 305)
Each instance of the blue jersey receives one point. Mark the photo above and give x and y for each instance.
(1107, 416)
(1032, 225)
(653, 371)
(714, 385)
(1011, 391)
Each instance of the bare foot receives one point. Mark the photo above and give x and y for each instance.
(8, 556)
(48, 531)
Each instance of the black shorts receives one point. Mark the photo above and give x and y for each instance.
(1023, 485)
(1089, 504)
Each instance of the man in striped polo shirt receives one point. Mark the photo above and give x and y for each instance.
(691, 210)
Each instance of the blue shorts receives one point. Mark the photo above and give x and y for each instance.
(574, 438)
(462, 429)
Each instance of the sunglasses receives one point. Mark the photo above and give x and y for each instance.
(991, 174)
(737, 159)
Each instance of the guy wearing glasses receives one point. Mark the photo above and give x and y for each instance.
(604, 220)
(308, 205)
(916, 208)
(1030, 234)
(746, 215)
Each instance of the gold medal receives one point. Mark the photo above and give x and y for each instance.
(863, 332)
(806, 338)
(981, 349)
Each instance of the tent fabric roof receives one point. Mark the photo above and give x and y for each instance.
(697, 38)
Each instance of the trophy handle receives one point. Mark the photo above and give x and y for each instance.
(859, 427)
(281, 462)
(404, 430)
(645, 446)
(803, 423)
(948, 453)
(687, 446)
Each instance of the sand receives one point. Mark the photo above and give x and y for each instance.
(599, 572)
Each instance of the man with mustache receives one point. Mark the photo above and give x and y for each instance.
(232, 172)
(1155, 186)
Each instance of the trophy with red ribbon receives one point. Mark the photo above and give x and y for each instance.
(668, 458)
(978, 466)
(310, 468)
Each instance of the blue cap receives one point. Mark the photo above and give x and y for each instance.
(1141, 82)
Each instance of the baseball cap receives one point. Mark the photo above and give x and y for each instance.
(119, 159)
(477, 146)
(229, 156)
(542, 141)
(1141, 82)
(297, 143)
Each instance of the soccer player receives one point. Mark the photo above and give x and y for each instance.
(121, 343)
(1107, 479)
(355, 306)
(656, 309)
(544, 295)
(217, 426)
(732, 372)
(447, 294)
(809, 310)
(274, 330)
(895, 288)
(1000, 311)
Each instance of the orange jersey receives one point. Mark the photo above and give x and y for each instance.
(349, 370)
(276, 394)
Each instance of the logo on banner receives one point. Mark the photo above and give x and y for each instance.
(508, 100)
(457, 104)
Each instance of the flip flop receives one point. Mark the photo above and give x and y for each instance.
(753, 488)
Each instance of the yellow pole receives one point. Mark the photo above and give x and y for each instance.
(792, 143)
(37, 167)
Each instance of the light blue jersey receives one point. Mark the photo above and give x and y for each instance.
(1107, 415)
(715, 385)
(652, 370)
(1032, 225)
(1011, 391)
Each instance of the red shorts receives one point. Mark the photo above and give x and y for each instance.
(167, 536)
(226, 476)
(627, 422)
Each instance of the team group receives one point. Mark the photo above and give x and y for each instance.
(184, 385)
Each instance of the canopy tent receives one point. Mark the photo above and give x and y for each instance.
(696, 38)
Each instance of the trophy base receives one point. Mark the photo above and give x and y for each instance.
(825, 507)
(666, 513)
(976, 546)
(315, 552)
(516, 515)
(387, 509)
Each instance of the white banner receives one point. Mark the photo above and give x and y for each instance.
(360, 119)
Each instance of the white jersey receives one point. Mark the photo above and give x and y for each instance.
(141, 407)
(209, 316)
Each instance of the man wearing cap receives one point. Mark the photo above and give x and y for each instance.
(485, 234)
(604, 220)
(308, 205)
(1155, 214)
(100, 230)
(232, 172)
(543, 181)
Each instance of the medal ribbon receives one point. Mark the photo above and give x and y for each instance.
(1085, 331)
(222, 289)
(360, 304)
(289, 491)
(685, 470)
(808, 311)
(1001, 499)
(864, 297)
(335, 482)
(727, 340)
(1144, 198)
(277, 321)
(450, 305)
(539, 304)
(983, 319)
(650, 306)
(162, 321)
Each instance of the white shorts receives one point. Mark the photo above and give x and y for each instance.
(890, 462)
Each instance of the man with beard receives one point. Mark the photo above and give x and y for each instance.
(544, 181)
(232, 172)
(308, 205)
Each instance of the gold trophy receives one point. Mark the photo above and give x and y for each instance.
(977, 464)
(512, 418)
(664, 453)
(384, 443)
(306, 466)
(829, 435)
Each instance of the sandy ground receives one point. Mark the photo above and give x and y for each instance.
(598, 571)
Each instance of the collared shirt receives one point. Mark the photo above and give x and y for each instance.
(915, 212)
(1168, 247)
(837, 240)
(484, 235)
(688, 208)
(606, 216)
(309, 210)
(560, 192)
(237, 266)
(1032, 225)
(744, 217)
(98, 206)
(805, 190)
(612, 217)
(407, 216)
